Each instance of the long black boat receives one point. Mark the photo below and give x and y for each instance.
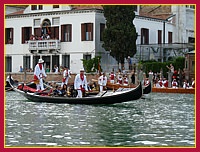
(146, 89)
(9, 81)
(107, 97)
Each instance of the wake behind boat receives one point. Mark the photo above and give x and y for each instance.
(106, 97)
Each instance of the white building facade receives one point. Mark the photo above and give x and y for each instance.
(162, 39)
(76, 33)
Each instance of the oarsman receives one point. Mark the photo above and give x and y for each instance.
(80, 83)
(39, 74)
(66, 75)
(174, 84)
(112, 77)
(125, 80)
(102, 81)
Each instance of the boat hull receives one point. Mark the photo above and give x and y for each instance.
(116, 97)
(174, 90)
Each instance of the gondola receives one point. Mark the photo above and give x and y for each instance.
(146, 89)
(8, 87)
(106, 97)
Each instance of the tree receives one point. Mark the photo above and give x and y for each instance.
(120, 34)
(92, 65)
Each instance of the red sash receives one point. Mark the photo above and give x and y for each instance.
(82, 77)
(40, 66)
(166, 84)
(112, 76)
(120, 81)
(160, 83)
(125, 82)
(63, 80)
(66, 73)
(174, 84)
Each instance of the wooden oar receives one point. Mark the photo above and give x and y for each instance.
(94, 80)
(9, 89)
(47, 85)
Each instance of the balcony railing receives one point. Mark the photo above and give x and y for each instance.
(44, 45)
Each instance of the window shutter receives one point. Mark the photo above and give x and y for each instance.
(91, 31)
(23, 39)
(70, 32)
(159, 36)
(37, 32)
(12, 38)
(62, 33)
(83, 32)
(30, 32)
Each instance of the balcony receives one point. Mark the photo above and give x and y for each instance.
(44, 46)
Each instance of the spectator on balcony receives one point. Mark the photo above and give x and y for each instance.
(47, 36)
(32, 37)
(43, 37)
(55, 69)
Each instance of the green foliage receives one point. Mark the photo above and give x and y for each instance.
(92, 64)
(157, 66)
(120, 33)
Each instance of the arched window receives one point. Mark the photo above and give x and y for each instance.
(46, 27)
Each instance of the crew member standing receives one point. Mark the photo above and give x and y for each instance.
(66, 76)
(102, 81)
(112, 77)
(80, 83)
(39, 73)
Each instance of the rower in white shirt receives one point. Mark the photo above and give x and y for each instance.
(80, 83)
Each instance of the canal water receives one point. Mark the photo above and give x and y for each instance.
(164, 120)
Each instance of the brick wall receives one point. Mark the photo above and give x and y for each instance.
(50, 77)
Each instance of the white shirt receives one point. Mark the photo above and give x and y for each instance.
(78, 82)
(67, 73)
(102, 80)
(56, 70)
(39, 73)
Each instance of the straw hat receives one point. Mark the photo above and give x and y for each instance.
(40, 61)
(82, 70)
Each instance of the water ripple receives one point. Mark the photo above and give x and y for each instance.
(162, 120)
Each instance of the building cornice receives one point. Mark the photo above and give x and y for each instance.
(149, 18)
(53, 13)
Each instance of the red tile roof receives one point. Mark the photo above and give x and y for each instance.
(17, 13)
(84, 7)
